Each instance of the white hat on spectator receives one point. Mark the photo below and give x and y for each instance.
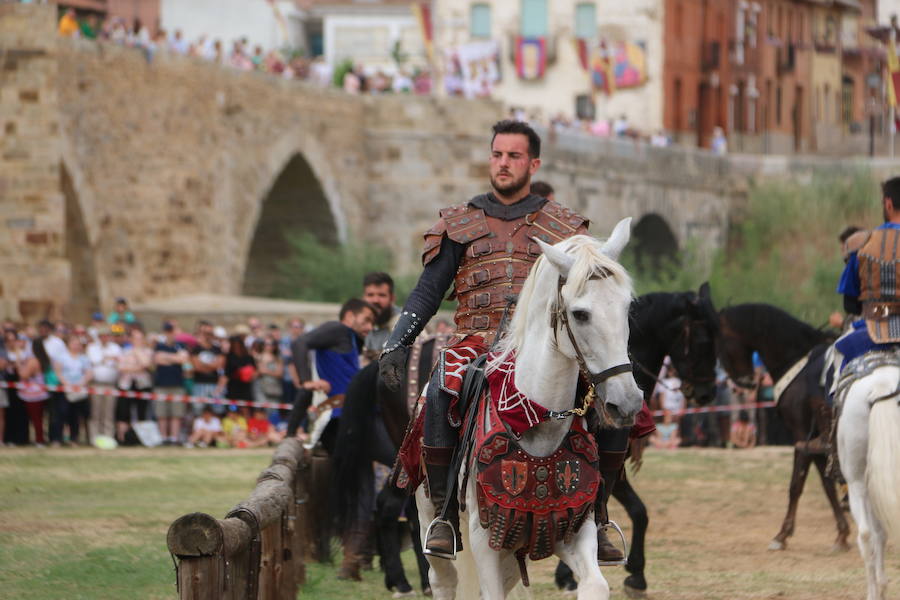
(220, 332)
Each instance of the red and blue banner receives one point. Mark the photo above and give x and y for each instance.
(615, 65)
(531, 57)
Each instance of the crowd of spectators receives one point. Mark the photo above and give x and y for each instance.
(735, 428)
(114, 352)
(240, 54)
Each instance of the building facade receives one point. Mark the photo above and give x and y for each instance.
(547, 54)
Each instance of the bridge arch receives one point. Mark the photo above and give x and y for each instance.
(84, 287)
(653, 243)
(300, 194)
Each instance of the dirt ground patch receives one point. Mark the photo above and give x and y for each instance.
(712, 515)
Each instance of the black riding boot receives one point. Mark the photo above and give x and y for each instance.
(612, 446)
(607, 552)
(442, 540)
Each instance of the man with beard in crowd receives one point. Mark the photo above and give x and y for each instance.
(378, 291)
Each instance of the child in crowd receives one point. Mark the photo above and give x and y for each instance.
(260, 430)
(234, 426)
(743, 432)
(207, 430)
(666, 435)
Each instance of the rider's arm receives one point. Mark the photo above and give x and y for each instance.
(849, 286)
(426, 297)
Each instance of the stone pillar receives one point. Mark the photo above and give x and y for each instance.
(34, 272)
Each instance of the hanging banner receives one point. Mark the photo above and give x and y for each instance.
(473, 69)
(531, 57)
(583, 50)
(618, 65)
(422, 12)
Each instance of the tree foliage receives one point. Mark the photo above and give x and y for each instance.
(783, 250)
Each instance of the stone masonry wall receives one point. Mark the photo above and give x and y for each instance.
(33, 268)
(121, 175)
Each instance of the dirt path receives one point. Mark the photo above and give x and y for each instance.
(712, 515)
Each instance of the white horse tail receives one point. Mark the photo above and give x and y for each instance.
(883, 472)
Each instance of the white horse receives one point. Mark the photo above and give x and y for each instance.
(547, 372)
(868, 442)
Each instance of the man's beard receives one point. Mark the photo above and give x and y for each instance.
(383, 316)
(511, 188)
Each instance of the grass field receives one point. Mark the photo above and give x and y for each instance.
(86, 524)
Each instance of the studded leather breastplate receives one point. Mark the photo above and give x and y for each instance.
(498, 258)
(879, 273)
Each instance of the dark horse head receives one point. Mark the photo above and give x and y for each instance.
(683, 326)
(780, 339)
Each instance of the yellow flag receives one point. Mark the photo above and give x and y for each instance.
(893, 67)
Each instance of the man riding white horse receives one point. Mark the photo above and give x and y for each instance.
(485, 249)
(867, 372)
(869, 286)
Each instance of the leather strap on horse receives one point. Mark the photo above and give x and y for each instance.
(559, 315)
(470, 397)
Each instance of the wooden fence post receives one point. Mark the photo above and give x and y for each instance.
(258, 551)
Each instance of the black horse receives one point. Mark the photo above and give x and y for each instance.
(782, 341)
(368, 406)
(684, 327)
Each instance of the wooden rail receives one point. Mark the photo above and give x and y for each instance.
(259, 550)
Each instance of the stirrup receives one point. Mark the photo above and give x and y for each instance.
(425, 550)
(615, 563)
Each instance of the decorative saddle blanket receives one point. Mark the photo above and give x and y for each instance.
(527, 502)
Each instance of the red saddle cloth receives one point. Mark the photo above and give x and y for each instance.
(530, 503)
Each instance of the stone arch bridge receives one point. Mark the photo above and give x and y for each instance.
(121, 176)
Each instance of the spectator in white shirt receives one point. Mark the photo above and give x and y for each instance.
(207, 430)
(104, 355)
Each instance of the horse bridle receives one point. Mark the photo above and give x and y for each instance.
(558, 315)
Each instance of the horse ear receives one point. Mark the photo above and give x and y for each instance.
(617, 239)
(560, 260)
(704, 291)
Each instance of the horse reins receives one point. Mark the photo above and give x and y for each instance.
(558, 315)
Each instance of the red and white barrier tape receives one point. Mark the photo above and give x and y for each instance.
(715, 409)
(108, 391)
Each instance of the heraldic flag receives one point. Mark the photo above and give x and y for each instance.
(893, 78)
(531, 57)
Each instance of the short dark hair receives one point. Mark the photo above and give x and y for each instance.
(522, 128)
(891, 189)
(378, 278)
(845, 234)
(355, 306)
(542, 189)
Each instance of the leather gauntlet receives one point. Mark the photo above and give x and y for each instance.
(392, 363)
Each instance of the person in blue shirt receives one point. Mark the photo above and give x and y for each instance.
(337, 346)
(121, 314)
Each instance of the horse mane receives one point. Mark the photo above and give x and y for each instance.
(539, 289)
(781, 329)
(648, 309)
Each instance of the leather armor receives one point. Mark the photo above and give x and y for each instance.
(497, 260)
(879, 273)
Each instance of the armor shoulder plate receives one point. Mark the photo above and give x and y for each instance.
(855, 242)
(554, 223)
(465, 223)
(433, 239)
